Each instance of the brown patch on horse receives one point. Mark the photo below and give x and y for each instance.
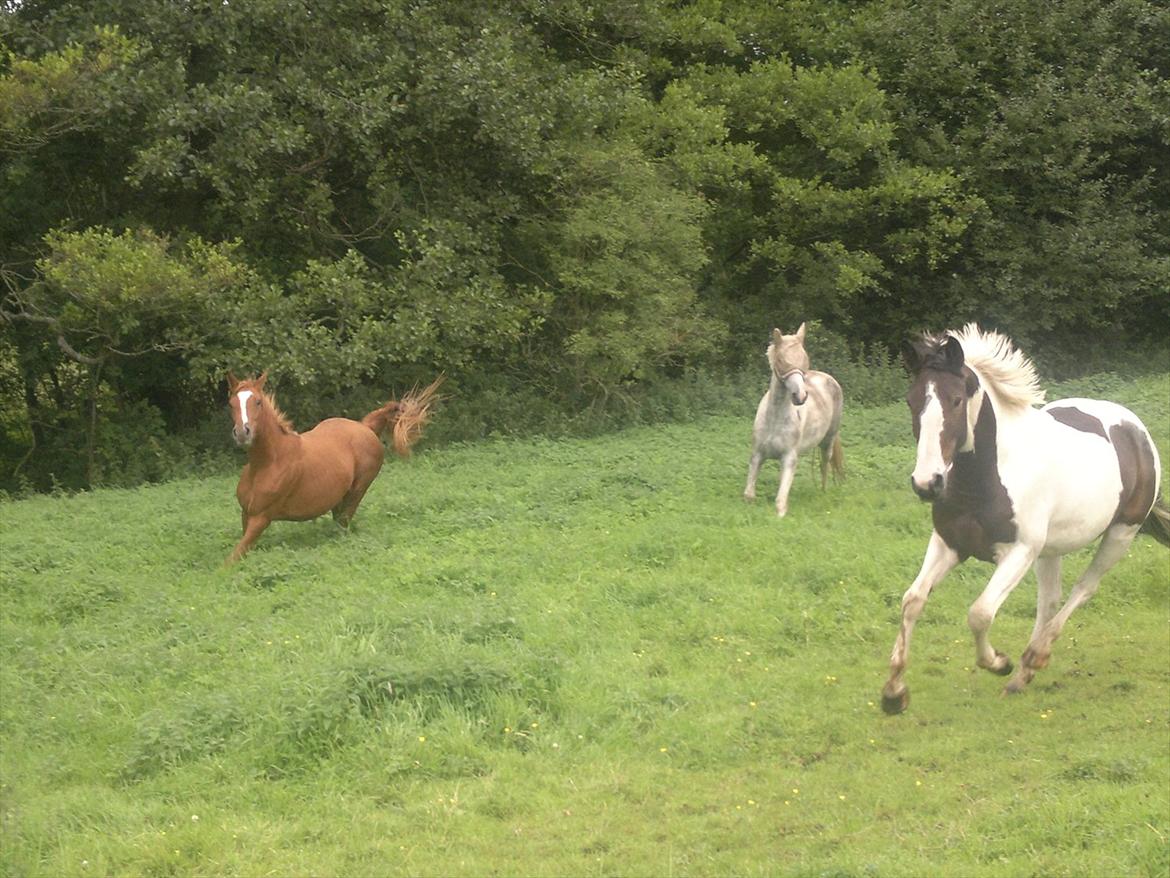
(1073, 417)
(1138, 473)
(975, 511)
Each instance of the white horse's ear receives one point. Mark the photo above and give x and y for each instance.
(777, 335)
(800, 333)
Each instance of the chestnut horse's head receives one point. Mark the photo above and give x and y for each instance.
(789, 362)
(246, 401)
(944, 403)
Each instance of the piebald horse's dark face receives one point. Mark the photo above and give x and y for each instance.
(941, 400)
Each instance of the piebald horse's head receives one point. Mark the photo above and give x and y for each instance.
(944, 403)
(789, 362)
(246, 401)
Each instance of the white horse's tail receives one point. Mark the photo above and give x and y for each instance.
(833, 457)
(1157, 523)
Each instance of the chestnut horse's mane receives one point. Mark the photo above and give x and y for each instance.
(282, 420)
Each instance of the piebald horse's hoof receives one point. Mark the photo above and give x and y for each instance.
(1015, 687)
(895, 704)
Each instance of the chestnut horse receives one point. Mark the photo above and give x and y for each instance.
(292, 476)
(1018, 486)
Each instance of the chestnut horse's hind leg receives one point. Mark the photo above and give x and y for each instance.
(253, 527)
(344, 511)
(1112, 549)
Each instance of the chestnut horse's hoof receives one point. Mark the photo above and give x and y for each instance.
(895, 704)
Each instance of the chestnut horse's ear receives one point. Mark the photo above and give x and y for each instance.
(952, 353)
(233, 381)
(260, 381)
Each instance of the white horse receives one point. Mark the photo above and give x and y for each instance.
(801, 409)
(1018, 486)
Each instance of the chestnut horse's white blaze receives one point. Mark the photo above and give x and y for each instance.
(242, 404)
(801, 410)
(1018, 486)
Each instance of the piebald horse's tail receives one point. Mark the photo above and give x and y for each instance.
(405, 418)
(1157, 523)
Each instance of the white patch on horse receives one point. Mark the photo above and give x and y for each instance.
(243, 396)
(930, 462)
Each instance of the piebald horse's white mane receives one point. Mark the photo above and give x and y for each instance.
(1005, 372)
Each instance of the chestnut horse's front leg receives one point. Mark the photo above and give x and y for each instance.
(940, 559)
(253, 526)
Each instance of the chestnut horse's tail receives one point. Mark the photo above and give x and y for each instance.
(405, 417)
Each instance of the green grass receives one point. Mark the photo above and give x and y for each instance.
(581, 657)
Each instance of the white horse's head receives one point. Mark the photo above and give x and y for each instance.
(789, 362)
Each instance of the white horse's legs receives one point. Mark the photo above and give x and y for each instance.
(1008, 573)
(757, 458)
(939, 560)
(787, 473)
(1113, 547)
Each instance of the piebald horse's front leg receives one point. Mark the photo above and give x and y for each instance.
(940, 560)
(1010, 569)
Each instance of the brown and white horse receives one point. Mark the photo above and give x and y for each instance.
(1017, 486)
(292, 476)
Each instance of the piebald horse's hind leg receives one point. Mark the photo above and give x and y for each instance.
(787, 472)
(1008, 573)
(1112, 549)
(1048, 592)
(940, 559)
(253, 527)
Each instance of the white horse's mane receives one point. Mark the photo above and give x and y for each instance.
(1009, 375)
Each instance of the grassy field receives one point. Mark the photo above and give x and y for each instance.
(565, 658)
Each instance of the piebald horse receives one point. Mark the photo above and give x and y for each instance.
(294, 476)
(1017, 486)
(801, 410)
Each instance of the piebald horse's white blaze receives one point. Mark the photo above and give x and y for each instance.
(1018, 486)
(801, 410)
(930, 468)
